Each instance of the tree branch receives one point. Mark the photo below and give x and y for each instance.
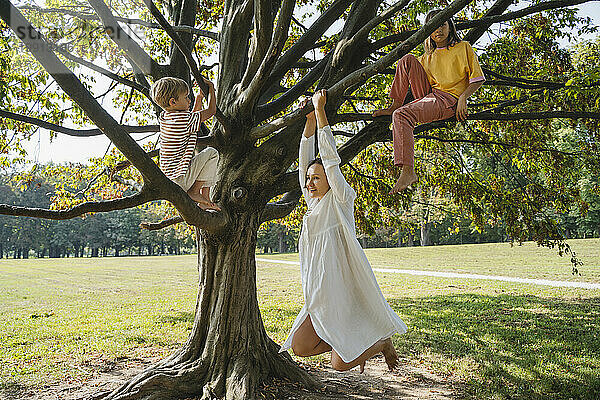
(137, 199)
(270, 57)
(188, 58)
(482, 116)
(103, 71)
(153, 176)
(303, 44)
(281, 208)
(267, 110)
(486, 21)
(73, 132)
(125, 42)
(128, 21)
(497, 9)
(154, 226)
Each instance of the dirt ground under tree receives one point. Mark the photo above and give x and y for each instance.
(410, 382)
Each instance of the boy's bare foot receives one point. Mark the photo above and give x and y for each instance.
(204, 203)
(389, 352)
(407, 178)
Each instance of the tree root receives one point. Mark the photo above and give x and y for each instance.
(238, 379)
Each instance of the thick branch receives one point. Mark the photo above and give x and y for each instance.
(484, 116)
(73, 132)
(276, 46)
(260, 39)
(497, 9)
(133, 50)
(137, 199)
(281, 208)
(364, 31)
(128, 21)
(544, 6)
(268, 110)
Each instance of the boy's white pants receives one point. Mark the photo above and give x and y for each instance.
(203, 167)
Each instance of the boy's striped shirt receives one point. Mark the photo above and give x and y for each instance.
(178, 135)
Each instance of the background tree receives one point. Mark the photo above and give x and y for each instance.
(266, 60)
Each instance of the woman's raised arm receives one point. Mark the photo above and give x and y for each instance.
(331, 160)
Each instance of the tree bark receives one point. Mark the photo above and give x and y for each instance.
(228, 353)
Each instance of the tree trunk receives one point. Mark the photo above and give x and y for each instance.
(228, 354)
(425, 233)
(281, 237)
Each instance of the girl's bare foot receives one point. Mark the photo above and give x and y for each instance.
(407, 178)
(389, 352)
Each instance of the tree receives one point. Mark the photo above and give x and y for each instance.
(265, 64)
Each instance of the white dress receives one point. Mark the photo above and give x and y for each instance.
(341, 295)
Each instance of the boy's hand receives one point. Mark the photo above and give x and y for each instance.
(319, 99)
(311, 115)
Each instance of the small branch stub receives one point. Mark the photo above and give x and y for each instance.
(239, 192)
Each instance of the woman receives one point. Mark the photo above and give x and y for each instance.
(344, 311)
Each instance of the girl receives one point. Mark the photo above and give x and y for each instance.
(441, 80)
(344, 310)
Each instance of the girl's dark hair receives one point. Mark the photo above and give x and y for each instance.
(453, 37)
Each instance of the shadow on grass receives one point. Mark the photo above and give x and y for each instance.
(177, 317)
(507, 346)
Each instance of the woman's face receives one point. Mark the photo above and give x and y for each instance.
(440, 35)
(316, 181)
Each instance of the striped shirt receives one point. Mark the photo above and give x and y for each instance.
(178, 135)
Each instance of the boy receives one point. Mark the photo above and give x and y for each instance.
(178, 134)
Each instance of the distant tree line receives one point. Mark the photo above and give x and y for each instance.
(118, 233)
(115, 233)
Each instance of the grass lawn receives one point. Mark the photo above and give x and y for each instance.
(61, 319)
(523, 261)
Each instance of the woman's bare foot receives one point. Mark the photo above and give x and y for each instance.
(407, 178)
(389, 352)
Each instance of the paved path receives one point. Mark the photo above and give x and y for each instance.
(545, 282)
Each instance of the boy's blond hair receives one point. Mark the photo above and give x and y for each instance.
(167, 88)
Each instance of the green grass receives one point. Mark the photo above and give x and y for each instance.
(62, 319)
(523, 261)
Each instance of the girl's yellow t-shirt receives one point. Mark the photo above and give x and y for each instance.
(452, 69)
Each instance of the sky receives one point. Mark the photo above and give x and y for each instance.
(65, 148)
